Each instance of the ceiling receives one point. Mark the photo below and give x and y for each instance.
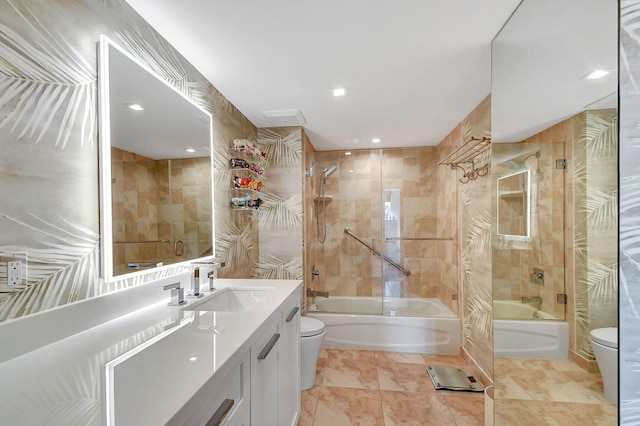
(414, 69)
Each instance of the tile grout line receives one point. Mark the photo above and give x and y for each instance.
(375, 359)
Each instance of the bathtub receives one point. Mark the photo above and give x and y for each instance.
(522, 331)
(409, 325)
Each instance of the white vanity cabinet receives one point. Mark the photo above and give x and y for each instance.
(189, 365)
(275, 368)
(264, 374)
(223, 400)
(289, 363)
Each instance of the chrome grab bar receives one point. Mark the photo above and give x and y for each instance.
(141, 242)
(377, 253)
(418, 239)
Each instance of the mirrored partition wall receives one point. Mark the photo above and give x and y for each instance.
(554, 100)
(156, 180)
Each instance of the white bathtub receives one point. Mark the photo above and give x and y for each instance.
(521, 331)
(409, 325)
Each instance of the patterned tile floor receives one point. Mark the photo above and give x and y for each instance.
(388, 388)
(385, 388)
(549, 392)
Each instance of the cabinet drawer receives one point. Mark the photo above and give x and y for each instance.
(243, 418)
(264, 374)
(224, 397)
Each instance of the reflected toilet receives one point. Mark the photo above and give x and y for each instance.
(311, 338)
(605, 347)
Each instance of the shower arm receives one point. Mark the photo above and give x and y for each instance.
(377, 253)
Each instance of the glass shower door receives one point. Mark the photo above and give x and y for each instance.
(408, 196)
(530, 227)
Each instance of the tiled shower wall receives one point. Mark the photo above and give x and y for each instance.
(355, 199)
(190, 209)
(514, 258)
(135, 193)
(352, 200)
(153, 200)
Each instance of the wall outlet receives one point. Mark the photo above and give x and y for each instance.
(14, 272)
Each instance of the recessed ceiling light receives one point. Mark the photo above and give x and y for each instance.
(376, 140)
(136, 107)
(193, 358)
(190, 150)
(597, 74)
(340, 91)
(347, 153)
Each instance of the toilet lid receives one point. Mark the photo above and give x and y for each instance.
(310, 326)
(606, 336)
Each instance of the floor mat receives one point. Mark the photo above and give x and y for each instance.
(453, 378)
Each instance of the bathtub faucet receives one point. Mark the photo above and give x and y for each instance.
(312, 293)
(537, 300)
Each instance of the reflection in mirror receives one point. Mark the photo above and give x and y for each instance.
(514, 204)
(540, 78)
(156, 166)
(561, 282)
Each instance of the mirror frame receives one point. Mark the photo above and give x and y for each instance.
(105, 179)
(527, 195)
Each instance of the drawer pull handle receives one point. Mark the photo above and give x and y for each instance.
(292, 314)
(221, 412)
(270, 344)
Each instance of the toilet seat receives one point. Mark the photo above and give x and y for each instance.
(310, 327)
(606, 336)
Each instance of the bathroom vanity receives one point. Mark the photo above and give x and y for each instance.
(231, 357)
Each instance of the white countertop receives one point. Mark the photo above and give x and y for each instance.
(156, 350)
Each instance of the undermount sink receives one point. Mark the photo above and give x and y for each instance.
(230, 300)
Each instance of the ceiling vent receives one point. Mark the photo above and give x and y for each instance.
(285, 118)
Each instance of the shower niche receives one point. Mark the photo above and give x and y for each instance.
(513, 204)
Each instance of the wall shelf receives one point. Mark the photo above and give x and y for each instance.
(467, 154)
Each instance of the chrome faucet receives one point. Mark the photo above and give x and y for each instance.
(195, 284)
(212, 266)
(177, 294)
(212, 279)
(537, 277)
(536, 299)
(312, 293)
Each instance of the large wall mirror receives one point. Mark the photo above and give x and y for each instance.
(156, 169)
(554, 118)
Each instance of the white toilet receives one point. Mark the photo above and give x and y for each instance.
(311, 338)
(605, 347)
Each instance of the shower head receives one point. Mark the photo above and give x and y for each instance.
(327, 172)
(516, 165)
(519, 163)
